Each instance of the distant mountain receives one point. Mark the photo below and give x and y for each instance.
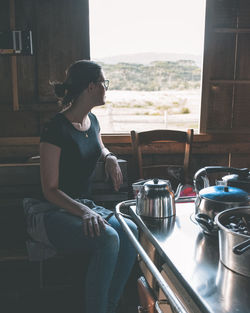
(159, 75)
(147, 58)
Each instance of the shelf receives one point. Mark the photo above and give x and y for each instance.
(228, 81)
(232, 30)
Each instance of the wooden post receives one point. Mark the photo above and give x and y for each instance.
(13, 60)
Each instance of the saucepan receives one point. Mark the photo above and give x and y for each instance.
(211, 200)
(234, 239)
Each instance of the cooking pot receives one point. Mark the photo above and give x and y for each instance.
(234, 288)
(234, 241)
(156, 199)
(214, 199)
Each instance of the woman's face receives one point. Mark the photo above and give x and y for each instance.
(100, 90)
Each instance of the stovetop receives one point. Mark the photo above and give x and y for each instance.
(194, 259)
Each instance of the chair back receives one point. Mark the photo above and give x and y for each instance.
(163, 136)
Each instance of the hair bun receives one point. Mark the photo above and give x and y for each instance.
(60, 89)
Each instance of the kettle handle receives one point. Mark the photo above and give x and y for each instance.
(242, 172)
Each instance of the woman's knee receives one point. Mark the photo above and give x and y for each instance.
(109, 238)
(116, 224)
(132, 227)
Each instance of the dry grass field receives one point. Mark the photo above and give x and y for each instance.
(144, 110)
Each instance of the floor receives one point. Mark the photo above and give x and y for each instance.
(17, 297)
(60, 301)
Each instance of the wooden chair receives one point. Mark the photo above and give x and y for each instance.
(141, 140)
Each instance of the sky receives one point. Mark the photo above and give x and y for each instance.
(137, 26)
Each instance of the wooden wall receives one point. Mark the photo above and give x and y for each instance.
(226, 69)
(208, 149)
(60, 30)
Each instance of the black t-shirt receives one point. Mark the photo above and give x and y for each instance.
(79, 153)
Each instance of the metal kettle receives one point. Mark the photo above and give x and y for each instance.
(156, 199)
(237, 175)
(238, 179)
(211, 200)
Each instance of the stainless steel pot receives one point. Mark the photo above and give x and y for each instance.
(214, 199)
(232, 287)
(234, 247)
(156, 199)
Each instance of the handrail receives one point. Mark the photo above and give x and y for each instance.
(173, 300)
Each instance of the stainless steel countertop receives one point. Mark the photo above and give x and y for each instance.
(194, 259)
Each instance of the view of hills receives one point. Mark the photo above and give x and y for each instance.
(155, 76)
(149, 57)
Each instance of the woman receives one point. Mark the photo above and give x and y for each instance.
(70, 146)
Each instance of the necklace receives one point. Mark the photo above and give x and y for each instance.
(78, 126)
(83, 127)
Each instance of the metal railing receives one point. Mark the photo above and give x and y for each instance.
(172, 298)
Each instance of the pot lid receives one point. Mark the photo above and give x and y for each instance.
(156, 183)
(237, 178)
(224, 193)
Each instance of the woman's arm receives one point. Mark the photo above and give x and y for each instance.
(49, 171)
(112, 167)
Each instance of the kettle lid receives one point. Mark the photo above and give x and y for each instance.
(224, 193)
(157, 183)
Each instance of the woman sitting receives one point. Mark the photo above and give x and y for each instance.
(70, 147)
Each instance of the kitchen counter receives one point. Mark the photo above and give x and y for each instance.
(192, 260)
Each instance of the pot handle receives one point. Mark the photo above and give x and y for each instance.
(242, 172)
(205, 222)
(242, 247)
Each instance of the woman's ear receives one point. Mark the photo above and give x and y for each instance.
(91, 86)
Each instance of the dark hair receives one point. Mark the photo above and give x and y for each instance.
(78, 77)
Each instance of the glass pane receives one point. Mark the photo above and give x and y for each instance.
(151, 52)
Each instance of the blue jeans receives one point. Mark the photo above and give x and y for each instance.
(111, 257)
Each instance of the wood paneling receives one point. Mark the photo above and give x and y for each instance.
(15, 100)
(12, 124)
(62, 37)
(222, 64)
(6, 84)
(220, 107)
(241, 116)
(226, 67)
(26, 65)
(208, 149)
(243, 59)
(244, 13)
(225, 13)
(5, 62)
(240, 160)
(60, 31)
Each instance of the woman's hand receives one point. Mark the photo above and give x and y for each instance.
(112, 170)
(92, 223)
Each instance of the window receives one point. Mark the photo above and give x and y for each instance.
(151, 51)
